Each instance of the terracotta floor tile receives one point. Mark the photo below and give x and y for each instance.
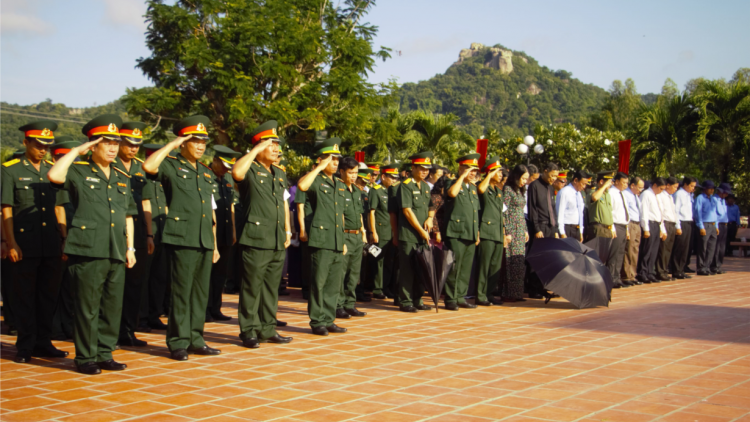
(647, 407)
(200, 411)
(621, 416)
(387, 416)
(582, 405)
(489, 411)
(302, 405)
(340, 396)
(18, 393)
(556, 413)
(451, 417)
(142, 408)
(459, 400)
(81, 406)
(69, 395)
(425, 409)
(97, 416)
(32, 415)
(717, 410)
(162, 417)
(692, 417)
(26, 403)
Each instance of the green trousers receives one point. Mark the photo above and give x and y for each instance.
(99, 285)
(352, 268)
(382, 266)
(326, 266)
(220, 272)
(410, 287)
(189, 274)
(36, 282)
(63, 325)
(157, 291)
(457, 284)
(490, 261)
(259, 291)
(135, 279)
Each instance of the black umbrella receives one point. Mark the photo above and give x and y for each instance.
(572, 270)
(434, 265)
(601, 245)
(444, 260)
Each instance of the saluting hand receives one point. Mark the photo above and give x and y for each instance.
(260, 146)
(324, 163)
(88, 146)
(180, 140)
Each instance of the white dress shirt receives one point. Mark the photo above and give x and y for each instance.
(667, 208)
(569, 208)
(651, 210)
(619, 213)
(683, 204)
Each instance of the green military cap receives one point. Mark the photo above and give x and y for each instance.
(423, 159)
(329, 146)
(390, 170)
(193, 125)
(375, 166)
(132, 132)
(41, 131)
(16, 154)
(63, 145)
(365, 172)
(492, 163)
(105, 126)
(226, 155)
(609, 174)
(406, 166)
(268, 130)
(470, 160)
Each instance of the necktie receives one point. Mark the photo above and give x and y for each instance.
(550, 208)
(625, 205)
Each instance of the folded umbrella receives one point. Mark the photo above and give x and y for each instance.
(444, 260)
(572, 270)
(423, 255)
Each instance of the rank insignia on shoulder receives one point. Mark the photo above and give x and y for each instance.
(122, 185)
(140, 174)
(138, 159)
(122, 172)
(49, 162)
(407, 181)
(11, 162)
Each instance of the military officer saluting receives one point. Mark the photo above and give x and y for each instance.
(326, 237)
(224, 159)
(380, 230)
(492, 232)
(100, 241)
(462, 230)
(189, 233)
(265, 236)
(414, 224)
(33, 242)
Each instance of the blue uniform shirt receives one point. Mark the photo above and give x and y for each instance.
(721, 210)
(705, 210)
(733, 213)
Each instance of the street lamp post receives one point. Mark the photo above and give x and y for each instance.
(523, 148)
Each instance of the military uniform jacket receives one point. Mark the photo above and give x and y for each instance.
(463, 212)
(98, 228)
(137, 182)
(326, 224)
(353, 206)
(224, 197)
(154, 192)
(262, 199)
(33, 199)
(378, 201)
(491, 214)
(417, 198)
(189, 190)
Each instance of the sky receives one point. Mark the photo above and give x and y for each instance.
(83, 52)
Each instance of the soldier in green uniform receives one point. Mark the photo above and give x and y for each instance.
(354, 238)
(364, 185)
(414, 224)
(6, 284)
(381, 231)
(394, 210)
(224, 159)
(304, 217)
(462, 231)
(266, 236)
(127, 163)
(326, 237)
(63, 326)
(156, 295)
(189, 233)
(492, 232)
(601, 222)
(33, 242)
(100, 241)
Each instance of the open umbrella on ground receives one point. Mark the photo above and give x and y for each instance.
(434, 264)
(601, 245)
(572, 270)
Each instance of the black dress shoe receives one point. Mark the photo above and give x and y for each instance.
(89, 368)
(643, 280)
(209, 318)
(22, 357)
(333, 328)
(535, 296)
(627, 282)
(496, 301)
(320, 331)
(467, 305)
(132, 342)
(451, 306)
(712, 273)
(636, 282)
(378, 296)
(355, 312)
(423, 307)
(157, 325)
(341, 314)
(49, 352)
(205, 351)
(721, 272)
(143, 328)
(284, 292)
(408, 309)
(703, 273)
(180, 354)
(484, 303)
(251, 343)
(221, 317)
(663, 277)
(111, 365)
(364, 299)
(277, 339)
(616, 285)
(688, 270)
(281, 323)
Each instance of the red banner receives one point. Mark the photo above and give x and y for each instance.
(359, 156)
(624, 156)
(482, 150)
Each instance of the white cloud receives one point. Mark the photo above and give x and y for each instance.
(126, 13)
(19, 17)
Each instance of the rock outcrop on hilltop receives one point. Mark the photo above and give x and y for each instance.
(497, 58)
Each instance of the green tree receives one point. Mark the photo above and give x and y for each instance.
(301, 62)
(619, 110)
(438, 133)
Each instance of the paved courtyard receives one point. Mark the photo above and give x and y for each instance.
(676, 351)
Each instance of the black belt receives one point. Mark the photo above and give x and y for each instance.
(669, 222)
(600, 224)
(625, 226)
(573, 225)
(723, 224)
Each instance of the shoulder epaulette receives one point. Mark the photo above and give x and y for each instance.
(377, 187)
(122, 171)
(169, 156)
(138, 159)
(279, 167)
(81, 162)
(407, 181)
(338, 179)
(11, 162)
(204, 165)
(49, 162)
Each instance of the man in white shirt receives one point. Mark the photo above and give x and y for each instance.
(621, 219)
(652, 224)
(569, 207)
(683, 201)
(632, 245)
(671, 224)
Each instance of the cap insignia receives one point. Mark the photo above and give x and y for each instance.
(136, 132)
(200, 127)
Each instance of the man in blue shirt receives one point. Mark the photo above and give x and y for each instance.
(706, 217)
(721, 240)
(733, 214)
(632, 245)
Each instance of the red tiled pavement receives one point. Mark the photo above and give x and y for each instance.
(676, 351)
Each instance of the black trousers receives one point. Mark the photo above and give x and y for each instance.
(721, 247)
(681, 249)
(133, 293)
(665, 250)
(573, 231)
(35, 288)
(692, 242)
(220, 272)
(649, 251)
(731, 236)
(706, 248)
(617, 251)
(534, 284)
